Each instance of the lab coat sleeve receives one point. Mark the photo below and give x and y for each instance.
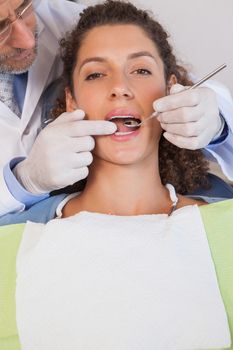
(10, 204)
(222, 152)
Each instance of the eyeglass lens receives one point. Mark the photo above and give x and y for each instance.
(22, 12)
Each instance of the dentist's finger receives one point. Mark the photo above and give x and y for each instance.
(181, 141)
(66, 117)
(186, 98)
(183, 115)
(185, 129)
(176, 88)
(89, 127)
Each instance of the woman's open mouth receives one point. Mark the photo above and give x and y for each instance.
(122, 129)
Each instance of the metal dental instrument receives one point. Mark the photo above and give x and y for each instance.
(134, 123)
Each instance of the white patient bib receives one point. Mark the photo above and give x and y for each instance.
(102, 282)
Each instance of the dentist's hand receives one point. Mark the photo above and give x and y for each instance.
(61, 153)
(190, 118)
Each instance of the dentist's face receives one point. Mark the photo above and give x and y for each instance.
(120, 73)
(17, 35)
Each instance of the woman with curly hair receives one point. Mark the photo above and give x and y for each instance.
(129, 262)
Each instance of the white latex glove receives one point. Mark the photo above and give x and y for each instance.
(190, 118)
(61, 153)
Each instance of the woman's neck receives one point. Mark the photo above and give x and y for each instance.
(122, 190)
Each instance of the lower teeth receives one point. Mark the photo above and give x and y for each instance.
(118, 133)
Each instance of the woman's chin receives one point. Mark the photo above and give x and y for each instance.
(122, 158)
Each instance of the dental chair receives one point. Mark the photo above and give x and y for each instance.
(219, 189)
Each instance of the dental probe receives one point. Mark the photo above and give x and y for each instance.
(135, 123)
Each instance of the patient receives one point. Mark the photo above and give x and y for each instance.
(130, 262)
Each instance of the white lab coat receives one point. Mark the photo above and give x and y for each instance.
(54, 18)
(17, 136)
(223, 152)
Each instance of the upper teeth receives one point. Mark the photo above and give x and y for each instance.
(122, 117)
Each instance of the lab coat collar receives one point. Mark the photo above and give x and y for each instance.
(39, 72)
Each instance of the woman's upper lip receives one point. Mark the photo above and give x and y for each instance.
(122, 112)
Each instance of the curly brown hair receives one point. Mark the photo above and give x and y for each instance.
(185, 169)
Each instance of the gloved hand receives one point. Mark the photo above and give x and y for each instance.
(61, 153)
(190, 118)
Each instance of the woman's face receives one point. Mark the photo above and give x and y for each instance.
(119, 73)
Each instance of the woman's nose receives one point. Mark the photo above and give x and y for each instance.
(121, 89)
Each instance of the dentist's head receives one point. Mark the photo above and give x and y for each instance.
(17, 35)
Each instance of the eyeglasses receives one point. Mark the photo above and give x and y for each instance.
(22, 12)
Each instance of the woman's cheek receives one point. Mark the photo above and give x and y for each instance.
(89, 103)
(82, 99)
(157, 92)
(151, 92)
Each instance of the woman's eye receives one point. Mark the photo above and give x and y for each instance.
(94, 76)
(142, 71)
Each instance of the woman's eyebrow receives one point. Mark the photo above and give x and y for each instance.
(92, 59)
(130, 56)
(142, 53)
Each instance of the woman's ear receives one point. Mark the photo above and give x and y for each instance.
(172, 80)
(71, 104)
